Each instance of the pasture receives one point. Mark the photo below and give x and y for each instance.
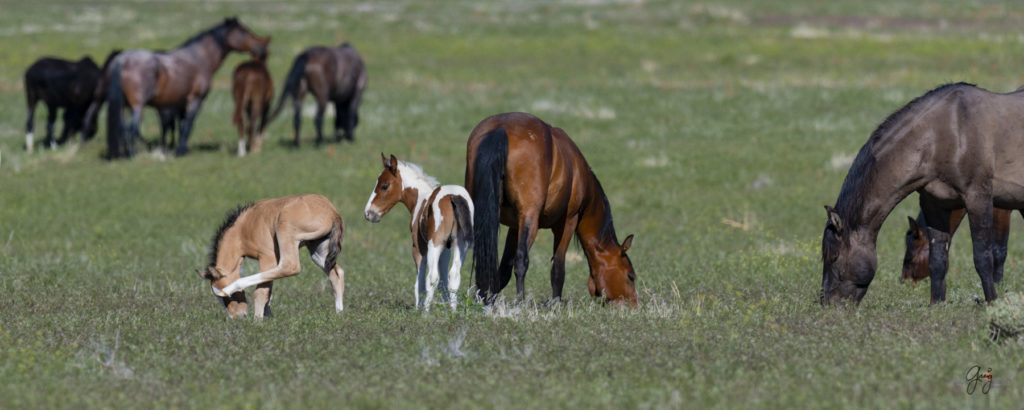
(718, 130)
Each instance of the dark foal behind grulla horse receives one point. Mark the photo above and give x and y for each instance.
(61, 84)
(335, 74)
(915, 260)
(441, 224)
(178, 78)
(272, 231)
(253, 90)
(958, 146)
(169, 116)
(529, 175)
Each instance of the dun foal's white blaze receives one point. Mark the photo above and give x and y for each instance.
(272, 231)
(441, 224)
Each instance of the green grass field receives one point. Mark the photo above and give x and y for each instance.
(718, 129)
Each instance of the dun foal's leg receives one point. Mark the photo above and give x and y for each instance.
(563, 238)
(288, 265)
(939, 230)
(1000, 238)
(979, 214)
(265, 292)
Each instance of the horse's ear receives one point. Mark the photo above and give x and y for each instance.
(384, 160)
(231, 21)
(834, 219)
(913, 223)
(626, 244)
(394, 162)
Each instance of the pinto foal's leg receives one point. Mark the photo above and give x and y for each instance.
(455, 272)
(433, 270)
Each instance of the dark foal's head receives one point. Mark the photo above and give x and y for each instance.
(849, 261)
(387, 192)
(239, 38)
(915, 262)
(615, 272)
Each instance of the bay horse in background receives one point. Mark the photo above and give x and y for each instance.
(915, 261)
(272, 231)
(529, 175)
(958, 146)
(169, 116)
(61, 84)
(179, 78)
(335, 74)
(253, 90)
(441, 224)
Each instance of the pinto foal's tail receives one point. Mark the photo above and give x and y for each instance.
(115, 108)
(463, 219)
(334, 247)
(291, 84)
(489, 167)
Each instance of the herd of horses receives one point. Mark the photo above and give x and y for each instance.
(176, 82)
(958, 146)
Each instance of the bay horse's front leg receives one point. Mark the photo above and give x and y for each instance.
(979, 214)
(563, 237)
(939, 234)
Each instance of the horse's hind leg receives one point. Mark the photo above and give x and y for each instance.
(458, 250)
(433, 271)
(297, 108)
(563, 237)
(30, 122)
(507, 259)
(318, 121)
(527, 234)
(335, 274)
(979, 214)
(51, 120)
(133, 131)
(288, 265)
(1000, 238)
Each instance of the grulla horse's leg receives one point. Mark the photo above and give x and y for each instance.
(979, 214)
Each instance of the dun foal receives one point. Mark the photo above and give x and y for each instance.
(441, 224)
(272, 231)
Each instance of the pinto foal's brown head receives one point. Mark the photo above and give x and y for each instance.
(613, 276)
(387, 192)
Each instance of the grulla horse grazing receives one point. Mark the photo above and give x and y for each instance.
(272, 231)
(441, 224)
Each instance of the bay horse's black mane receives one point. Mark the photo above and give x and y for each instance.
(607, 232)
(229, 221)
(218, 33)
(851, 195)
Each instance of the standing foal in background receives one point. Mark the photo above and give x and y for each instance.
(442, 223)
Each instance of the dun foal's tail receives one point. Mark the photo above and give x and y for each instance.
(334, 247)
(115, 111)
(463, 219)
(489, 164)
(291, 84)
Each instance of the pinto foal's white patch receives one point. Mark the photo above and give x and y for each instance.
(453, 190)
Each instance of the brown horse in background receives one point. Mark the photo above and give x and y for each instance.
(253, 90)
(334, 74)
(958, 146)
(915, 261)
(528, 175)
(272, 231)
(179, 78)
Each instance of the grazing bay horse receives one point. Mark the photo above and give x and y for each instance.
(253, 90)
(441, 224)
(169, 116)
(529, 175)
(272, 231)
(61, 84)
(958, 146)
(334, 74)
(179, 78)
(915, 261)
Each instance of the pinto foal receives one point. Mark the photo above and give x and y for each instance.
(441, 224)
(272, 231)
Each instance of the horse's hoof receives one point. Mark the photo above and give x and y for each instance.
(218, 292)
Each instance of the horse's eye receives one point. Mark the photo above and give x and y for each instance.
(384, 187)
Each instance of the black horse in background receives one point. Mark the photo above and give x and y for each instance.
(176, 79)
(169, 117)
(334, 74)
(61, 84)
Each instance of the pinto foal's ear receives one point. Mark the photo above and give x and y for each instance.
(626, 244)
(394, 164)
(834, 219)
(384, 160)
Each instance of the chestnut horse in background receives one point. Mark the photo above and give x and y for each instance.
(528, 175)
(179, 78)
(253, 90)
(272, 231)
(334, 74)
(441, 224)
(915, 261)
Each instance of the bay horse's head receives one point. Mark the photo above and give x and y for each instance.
(915, 262)
(849, 261)
(237, 37)
(387, 192)
(614, 275)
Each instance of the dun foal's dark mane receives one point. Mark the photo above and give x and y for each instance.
(229, 221)
(862, 171)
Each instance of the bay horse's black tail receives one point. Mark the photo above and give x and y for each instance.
(334, 245)
(463, 219)
(291, 84)
(489, 164)
(115, 108)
